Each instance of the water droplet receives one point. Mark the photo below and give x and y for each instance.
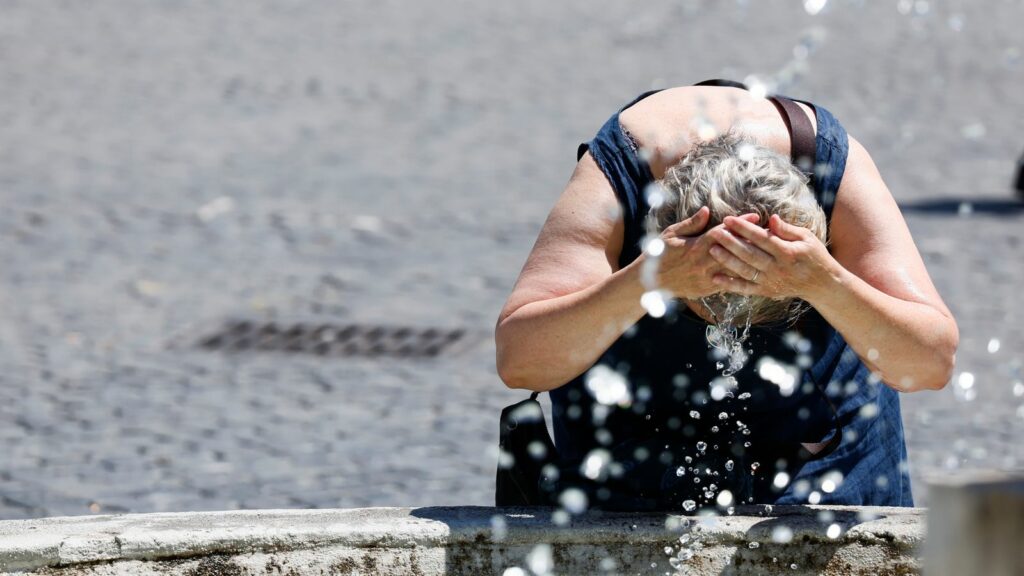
(702, 446)
(813, 7)
(956, 22)
(655, 193)
(1018, 389)
(574, 500)
(744, 396)
(689, 505)
(833, 531)
(782, 375)
(607, 386)
(757, 87)
(964, 389)
(993, 346)
(723, 416)
(560, 517)
(694, 414)
(781, 480)
(595, 465)
(499, 528)
(654, 247)
(537, 449)
(729, 465)
(655, 303)
(540, 559)
(669, 551)
(754, 545)
(680, 471)
(724, 498)
(814, 497)
(869, 410)
(782, 534)
(754, 466)
(975, 131)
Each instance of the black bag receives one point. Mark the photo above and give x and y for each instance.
(524, 449)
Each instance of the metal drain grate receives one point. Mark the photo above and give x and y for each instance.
(332, 339)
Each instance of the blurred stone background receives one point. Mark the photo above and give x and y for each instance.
(165, 166)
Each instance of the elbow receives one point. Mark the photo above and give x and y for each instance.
(934, 370)
(943, 369)
(947, 356)
(508, 372)
(511, 369)
(944, 362)
(519, 370)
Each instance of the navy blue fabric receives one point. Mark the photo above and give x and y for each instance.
(668, 367)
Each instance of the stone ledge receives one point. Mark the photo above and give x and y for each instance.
(462, 540)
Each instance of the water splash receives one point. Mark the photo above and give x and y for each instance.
(725, 335)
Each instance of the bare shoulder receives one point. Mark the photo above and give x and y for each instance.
(578, 245)
(870, 237)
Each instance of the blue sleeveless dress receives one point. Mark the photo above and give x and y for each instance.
(668, 367)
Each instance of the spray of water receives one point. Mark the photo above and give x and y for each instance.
(727, 335)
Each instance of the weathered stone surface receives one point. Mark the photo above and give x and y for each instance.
(469, 540)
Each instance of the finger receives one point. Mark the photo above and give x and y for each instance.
(691, 226)
(743, 249)
(756, 235)
(736, 285)
(784, 229)
(733, 264)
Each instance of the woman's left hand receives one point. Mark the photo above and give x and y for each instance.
(781, 261)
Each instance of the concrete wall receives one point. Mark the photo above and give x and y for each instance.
(466, 540)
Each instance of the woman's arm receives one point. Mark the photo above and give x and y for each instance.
(873, 288)
(571, 302)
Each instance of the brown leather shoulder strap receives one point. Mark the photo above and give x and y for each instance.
(801, 133)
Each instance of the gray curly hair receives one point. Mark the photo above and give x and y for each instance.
(732, 175)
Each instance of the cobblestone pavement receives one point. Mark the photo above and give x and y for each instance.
(167, 165)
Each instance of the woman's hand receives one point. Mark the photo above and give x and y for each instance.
(686, 267)
(782, 261)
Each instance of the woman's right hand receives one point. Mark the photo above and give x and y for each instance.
(686, 268)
